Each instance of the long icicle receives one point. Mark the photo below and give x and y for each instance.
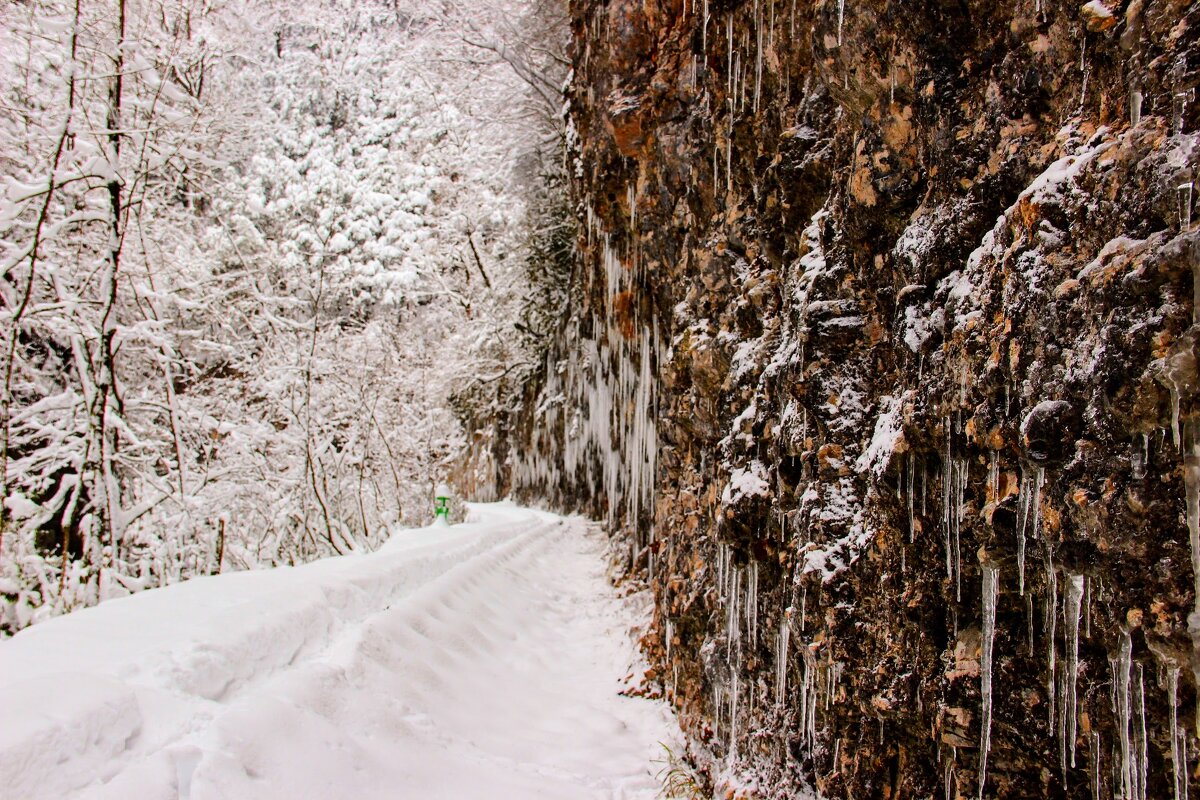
(1178, 765)
(1023, 500)
(1122, 703)
(1068, 722)
(990, 593)
(1051, 620)
(1140, 742)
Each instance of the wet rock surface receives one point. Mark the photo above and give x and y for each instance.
(875, 297)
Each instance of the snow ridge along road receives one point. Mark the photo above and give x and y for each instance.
(482, 660)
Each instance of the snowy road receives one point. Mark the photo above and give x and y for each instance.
(479, 661)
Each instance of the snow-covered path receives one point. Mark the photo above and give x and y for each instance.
(478, 661)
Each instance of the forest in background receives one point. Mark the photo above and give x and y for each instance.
(259, 260)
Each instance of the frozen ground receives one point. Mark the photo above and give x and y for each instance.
(478, 661)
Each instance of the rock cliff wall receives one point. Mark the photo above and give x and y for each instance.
(883, 359)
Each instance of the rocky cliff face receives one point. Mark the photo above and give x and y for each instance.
(884, 362)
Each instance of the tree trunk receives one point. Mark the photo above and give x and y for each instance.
(105, 491)
(220, 545)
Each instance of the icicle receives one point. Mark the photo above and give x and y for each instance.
(1087, 607)
(947, 480)
(1029, 621)
(739, 86)
(912, 480)
(1195, 284)
(1183, 759)
(729, 159)
(808, 699)
(990, 594)
(803, 605)
(733, 706)
(723, 555)
(959, 489)
(804, 692)
(1140, 743)
(1068, 715)
(781, 655)
(892, 75)
(838, 669)
(719, 573)
(994, 477)
(1094, 760)
(1135, 107)
(1028, 505)
(1178, 764)
(954, 485)
(758, 67)
(1181, 103)
(1191, 488)
(733, 634)
(841, 17)
(1139, 459)
(1039, 482)
(1051, 622)
(752, 604)
(1122, 711)
(1184, 191)
(924, 490)
(729, 62)
(1175, 416)
(717, 699)
(716, 164)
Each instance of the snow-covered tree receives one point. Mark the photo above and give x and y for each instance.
(249, 250)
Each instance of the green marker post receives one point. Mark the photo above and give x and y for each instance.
(441, 505)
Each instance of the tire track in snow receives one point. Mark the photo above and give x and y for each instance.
(498, 681)
(476, 661)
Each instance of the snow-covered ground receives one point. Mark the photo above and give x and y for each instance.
(482, 660)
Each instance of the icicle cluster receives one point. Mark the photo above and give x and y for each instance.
(1029, 507)
(603, 398)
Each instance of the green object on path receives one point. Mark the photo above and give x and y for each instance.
(441, 503)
